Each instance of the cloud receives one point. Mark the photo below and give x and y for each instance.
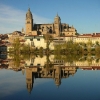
(12, 19)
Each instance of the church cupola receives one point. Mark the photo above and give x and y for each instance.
(29, 14)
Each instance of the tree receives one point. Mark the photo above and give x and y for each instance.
(97, 43)
(76, 33)
(16, 46)
(48, 39)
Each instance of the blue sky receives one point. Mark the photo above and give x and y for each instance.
(84, 15)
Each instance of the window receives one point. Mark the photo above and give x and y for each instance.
(28, 21)
(31, 39)
(38, 39)
(31, 64)
(38, 64)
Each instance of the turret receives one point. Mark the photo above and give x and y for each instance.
(57, 25)
(29, 22)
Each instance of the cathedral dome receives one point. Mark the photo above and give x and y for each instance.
(29, 14)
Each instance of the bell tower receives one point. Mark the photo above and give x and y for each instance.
(29, 22)
(57, 25)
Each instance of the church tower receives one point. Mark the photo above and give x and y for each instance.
(57, 25)
(29, 22)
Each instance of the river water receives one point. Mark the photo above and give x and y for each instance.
(59, 82)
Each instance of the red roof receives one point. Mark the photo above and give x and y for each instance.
(22, 40)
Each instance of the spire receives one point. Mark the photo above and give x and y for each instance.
(57, 14)
(29, 14)
(72, 26)
(28, 9)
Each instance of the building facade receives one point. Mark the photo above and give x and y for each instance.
(56, 28)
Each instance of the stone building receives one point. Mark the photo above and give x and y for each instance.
(14, 35)
(56, 28)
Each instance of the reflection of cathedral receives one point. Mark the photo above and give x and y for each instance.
(57, 72)
(29, 80)
(41, 67)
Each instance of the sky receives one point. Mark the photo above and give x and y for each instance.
(84, 15)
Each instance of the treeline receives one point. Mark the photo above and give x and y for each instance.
(69, 47)
(77, 48)
(18, 48)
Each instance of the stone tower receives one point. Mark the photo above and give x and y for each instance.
(57, 25)
(29, 22)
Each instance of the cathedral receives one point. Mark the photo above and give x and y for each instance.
(55, 29)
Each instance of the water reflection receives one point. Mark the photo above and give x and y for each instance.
(52, 67)
(56, 73)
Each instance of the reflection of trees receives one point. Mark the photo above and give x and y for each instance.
(48, 64)
(89, 59)
(97, 49)
(89, 45)
(74, 58)
(26, 56)
(15, 60)
(68, 58)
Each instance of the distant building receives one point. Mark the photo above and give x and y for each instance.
(85, 38)
(56, 29)
(14, 35)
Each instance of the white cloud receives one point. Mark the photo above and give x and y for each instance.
(12, 19)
